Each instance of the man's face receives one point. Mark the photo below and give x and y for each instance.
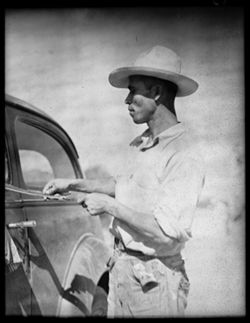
(141, 105)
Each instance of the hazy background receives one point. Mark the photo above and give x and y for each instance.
(59, 60)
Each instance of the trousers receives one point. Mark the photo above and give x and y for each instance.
(140, 286)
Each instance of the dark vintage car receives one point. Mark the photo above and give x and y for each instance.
(60, 245)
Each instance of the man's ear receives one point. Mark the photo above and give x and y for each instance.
(156, 92)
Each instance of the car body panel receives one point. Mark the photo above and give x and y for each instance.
(62, 232)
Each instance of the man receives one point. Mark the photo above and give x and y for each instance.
(153, 202)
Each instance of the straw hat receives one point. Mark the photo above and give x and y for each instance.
(160, 62)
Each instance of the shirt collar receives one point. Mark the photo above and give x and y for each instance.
(145, 139)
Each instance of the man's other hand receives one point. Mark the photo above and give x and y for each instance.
(96, 203)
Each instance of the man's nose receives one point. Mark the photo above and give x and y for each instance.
(128, 99)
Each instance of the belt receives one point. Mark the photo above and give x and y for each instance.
(172, 262)
(119, 248)
(119, 245)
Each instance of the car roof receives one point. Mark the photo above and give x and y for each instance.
(27, 106)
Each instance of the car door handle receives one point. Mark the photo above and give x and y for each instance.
(23, 224)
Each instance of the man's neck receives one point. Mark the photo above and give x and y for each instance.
(162, 120)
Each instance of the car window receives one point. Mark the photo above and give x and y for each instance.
(42, 157)
(36, 168)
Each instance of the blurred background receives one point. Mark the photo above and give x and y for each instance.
(59, 60)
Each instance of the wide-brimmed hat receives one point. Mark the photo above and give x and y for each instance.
(160, 62)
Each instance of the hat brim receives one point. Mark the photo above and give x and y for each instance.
(120, 78)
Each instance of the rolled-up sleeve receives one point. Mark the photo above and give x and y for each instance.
(181, 183)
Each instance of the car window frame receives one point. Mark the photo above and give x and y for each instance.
(49, 128)
(11, 150)
(9, 164)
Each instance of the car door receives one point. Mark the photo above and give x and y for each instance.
(60, 227)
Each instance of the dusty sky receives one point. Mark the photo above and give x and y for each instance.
(59, 60)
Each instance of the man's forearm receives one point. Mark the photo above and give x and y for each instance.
(103, 185)
(143, 224)
(138, 224)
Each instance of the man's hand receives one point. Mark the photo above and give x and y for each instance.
(59, 185)
(97, 203)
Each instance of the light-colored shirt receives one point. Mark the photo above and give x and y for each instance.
(164, 177)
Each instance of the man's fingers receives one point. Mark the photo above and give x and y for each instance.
(49, 191)
(81, 200)
(45, 189)
(49, 188)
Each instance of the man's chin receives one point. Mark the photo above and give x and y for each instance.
(138, 121)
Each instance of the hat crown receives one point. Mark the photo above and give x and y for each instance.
(160, 62)
(160, 57)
